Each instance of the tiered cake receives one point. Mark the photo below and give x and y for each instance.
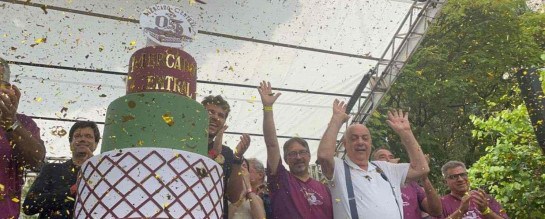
(153, 162)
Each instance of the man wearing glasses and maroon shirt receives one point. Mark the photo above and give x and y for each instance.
(465, 203)
(293, 193)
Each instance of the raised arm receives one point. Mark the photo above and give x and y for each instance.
(432, 203)
(269, 129)
(235, 186)
(27, 146)
(326, 149)
(399, 122)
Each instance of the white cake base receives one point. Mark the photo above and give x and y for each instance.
(149, 183)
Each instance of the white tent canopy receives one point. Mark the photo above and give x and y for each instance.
(69, 58)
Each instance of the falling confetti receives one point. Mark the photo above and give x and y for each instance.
(127, 118)
(38, 99)
(58, 131)
(44, 8)
(40, 40)
(252, 99)
(169, 120)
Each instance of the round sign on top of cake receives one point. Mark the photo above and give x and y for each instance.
(162, 67)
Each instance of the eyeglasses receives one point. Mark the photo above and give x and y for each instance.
(294, 154)
(456, 176)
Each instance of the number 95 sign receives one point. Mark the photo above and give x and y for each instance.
(167, 26)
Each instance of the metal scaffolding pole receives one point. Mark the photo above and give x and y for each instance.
(408, 36)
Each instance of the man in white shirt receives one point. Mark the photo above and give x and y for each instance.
(376, 185)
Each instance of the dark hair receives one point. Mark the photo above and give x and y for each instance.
(294, 140)
(84, 124)
(218, 101)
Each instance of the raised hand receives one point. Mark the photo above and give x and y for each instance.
(464, 206)
(398, 120)
(339, 111)
(9, 102)
(479, 197)
(242, 146)
(267, 96)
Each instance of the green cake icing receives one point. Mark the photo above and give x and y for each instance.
(156, 119)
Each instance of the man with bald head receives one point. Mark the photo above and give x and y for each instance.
(363, 189)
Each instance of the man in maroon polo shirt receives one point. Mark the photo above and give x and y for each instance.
(463, 202)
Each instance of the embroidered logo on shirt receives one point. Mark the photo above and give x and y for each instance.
(470, 215)
(311, 198)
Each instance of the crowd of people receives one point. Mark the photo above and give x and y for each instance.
(364, 184)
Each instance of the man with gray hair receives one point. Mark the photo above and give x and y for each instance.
(20, 145)
(462, 202)
(257, 181)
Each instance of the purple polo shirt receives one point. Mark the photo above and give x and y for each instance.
(451, 204)
(412, 195)
(293, 198)
(11, 176)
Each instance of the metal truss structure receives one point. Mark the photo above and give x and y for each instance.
(378, 81)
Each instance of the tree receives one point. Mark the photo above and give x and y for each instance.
(464, 68)
(512, 169)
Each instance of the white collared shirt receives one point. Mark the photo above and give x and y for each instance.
(374, 197)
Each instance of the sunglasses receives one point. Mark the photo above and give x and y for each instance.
(456, 176)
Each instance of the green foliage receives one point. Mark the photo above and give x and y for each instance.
(512, 169)
(465, 66)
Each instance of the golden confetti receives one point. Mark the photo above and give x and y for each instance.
(38, 99)
(140, 142)
(231, 68)
(252, 99)
(15, 200)
(132, 43)
(40, 40)
(169, 120)
(127, 118)
(337, 200)
(1, 188)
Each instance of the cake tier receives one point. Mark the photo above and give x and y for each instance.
(149, 183)
(162, 69)
(154, 119)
